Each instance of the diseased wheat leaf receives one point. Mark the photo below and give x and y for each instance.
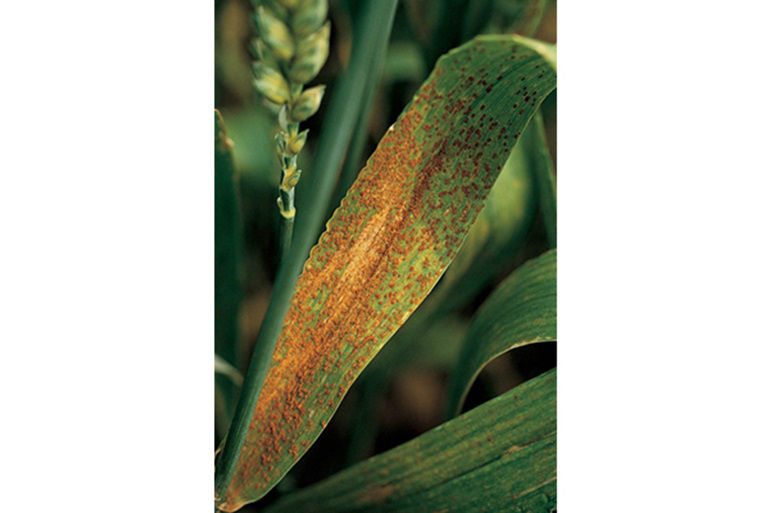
(497, 233)
(500, 456)
(398, 228)
(521, 311)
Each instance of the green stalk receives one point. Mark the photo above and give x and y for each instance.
(284, 241)
(335, 137)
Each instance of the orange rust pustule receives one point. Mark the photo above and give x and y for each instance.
(386, 246)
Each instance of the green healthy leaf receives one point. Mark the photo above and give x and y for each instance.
(521, 311)
(545, 177)
(396, 231)
(500, 456)
(312, 202)
(227, 291)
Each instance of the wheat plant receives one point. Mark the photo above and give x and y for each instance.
(291, 47)
(436, 247)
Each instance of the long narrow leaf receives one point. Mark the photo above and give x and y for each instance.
(393, 236)
(521, 311)
(227, 288)
(500, 456)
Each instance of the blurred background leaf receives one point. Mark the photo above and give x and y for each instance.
(521, 311)
(544, 174)
(227, 283)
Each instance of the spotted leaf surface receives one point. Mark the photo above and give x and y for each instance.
(386, 246)
(521, 311)
(500, 456)
(498, 231)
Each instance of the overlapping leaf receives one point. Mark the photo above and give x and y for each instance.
(521, 311)
(500, 456)
(393, 236)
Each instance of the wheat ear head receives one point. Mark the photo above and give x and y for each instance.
(291, 46)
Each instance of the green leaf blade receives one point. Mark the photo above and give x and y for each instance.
(227, 286)
(521, 311)
(500, 456)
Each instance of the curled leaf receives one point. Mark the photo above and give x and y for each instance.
(521, 311)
